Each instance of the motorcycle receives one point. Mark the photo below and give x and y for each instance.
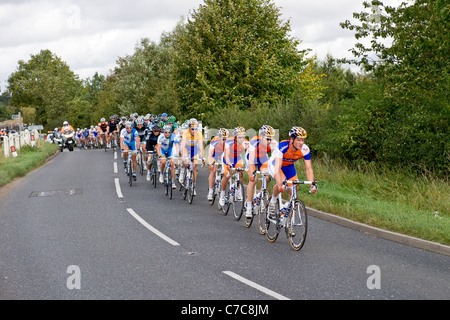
(68, 140)
(57, 139)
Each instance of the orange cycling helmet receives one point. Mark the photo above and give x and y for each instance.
(239, 131)
(298, 132)
(267, 131)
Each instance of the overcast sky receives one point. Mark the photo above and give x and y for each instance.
(89, 35)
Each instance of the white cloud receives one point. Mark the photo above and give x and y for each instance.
(91, 35)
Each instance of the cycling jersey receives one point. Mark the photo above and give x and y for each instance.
(286, 152)
(261, 154)
(152, 140)
(167, 144)
(234, 154)
(218, 146)
(103, 126)
(141, 132)
(112, 124)
(192, 142)
(129, 138)
(235, 148)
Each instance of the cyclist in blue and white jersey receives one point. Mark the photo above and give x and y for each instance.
(129, 140)
(166, 148)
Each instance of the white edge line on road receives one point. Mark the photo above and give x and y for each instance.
(256, 286)
(149, 227)
(119, 192)
(116, 170)
(115, 155)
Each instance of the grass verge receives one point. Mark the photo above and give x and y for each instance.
(397, 201)
(28, 158)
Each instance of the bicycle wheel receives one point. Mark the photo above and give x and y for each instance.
(130, 172)
(141, 163)
(169, 182)
(297, 225)
(248, 220)
(154, 175)
(214, 195)
(261, 212)
(186, 185)
(166, 180)
(272, 225)
(238, 201)
(226, 206)
(191, 188)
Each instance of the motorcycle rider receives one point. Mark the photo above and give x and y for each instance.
(66, 129)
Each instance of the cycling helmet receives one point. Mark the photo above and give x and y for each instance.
(167, 128)
(156, 127)
(223, 133)
(193, 123)
(297, 132)
(171, 119)
(128, 124)
(267, 131)
(65, 123)
(102, 120)
(239, 131)
(139, 121)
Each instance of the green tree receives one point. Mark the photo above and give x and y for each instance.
(45, 83)
(235, 52)
(144, 80)
(408, 57)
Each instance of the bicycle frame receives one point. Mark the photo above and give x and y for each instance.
(259, 202)
(290, 216)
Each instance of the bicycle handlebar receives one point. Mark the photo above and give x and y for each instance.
(286, 182)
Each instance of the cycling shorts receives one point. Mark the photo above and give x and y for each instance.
(166, 153)
(289, 171)
(131, 145)
(192, 151)
(236, 163)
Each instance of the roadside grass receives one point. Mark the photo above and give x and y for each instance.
(397, 201)
(28, 158)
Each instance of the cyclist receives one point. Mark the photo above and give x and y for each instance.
(191, 146)
(113, 129)
(152, 140)
(257, 159)
(163, 120)
(86, 137)
(79, 135)
(282, 163)
(165, 148)
(129, 140)
(216, 149)
(231, 158)
(102, 129)
(141, 128)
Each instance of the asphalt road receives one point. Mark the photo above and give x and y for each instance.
(65, 234)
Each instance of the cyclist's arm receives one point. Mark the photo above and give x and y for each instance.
(309, 171)
(227, 155)
(210, 154)
(158, 149)
(121, 143)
